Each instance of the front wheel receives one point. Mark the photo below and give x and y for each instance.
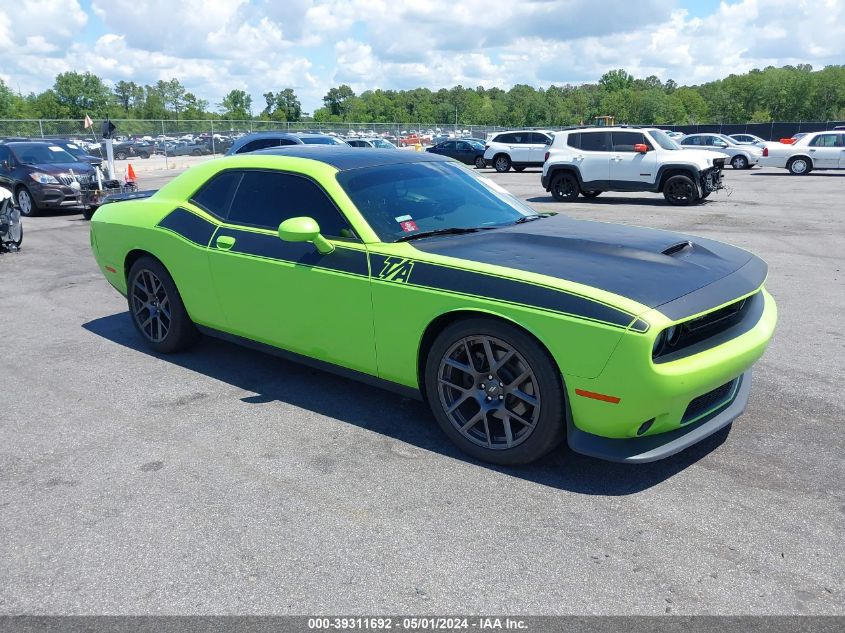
(564, 187)
(502, 163)
(120, 155)
(680, 190)
(799, 166)
(26, 203)
(495, 391)
(480, 162)
(156, 307)
(739, 162)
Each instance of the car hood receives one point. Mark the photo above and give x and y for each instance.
(53, 169)
(679, 274)
(705, 154)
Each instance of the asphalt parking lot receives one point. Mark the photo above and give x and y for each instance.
(226, 481)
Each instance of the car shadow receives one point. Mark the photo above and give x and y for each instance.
(274, 379)
(813, 174)
(610, 201)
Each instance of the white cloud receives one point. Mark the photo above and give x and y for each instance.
(213, 46)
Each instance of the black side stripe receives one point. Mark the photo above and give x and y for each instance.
(189, 225)
(346, 260)
(492, 287)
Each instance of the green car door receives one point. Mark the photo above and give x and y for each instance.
(287, 294)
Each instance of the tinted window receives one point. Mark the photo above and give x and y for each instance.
(538, 137)
(263, 143)
(521, 138)
(595, 141)
(625, 141)
(574, 140)
(216, 194)
(505, 138)
(321, 140)
(4, 154)
(266, 199)
(825, 140)
(464, 147)
(448, 145)
(692, 140)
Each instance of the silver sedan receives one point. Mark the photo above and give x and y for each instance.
(741, 156)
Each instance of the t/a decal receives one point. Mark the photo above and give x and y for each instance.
(396, 269)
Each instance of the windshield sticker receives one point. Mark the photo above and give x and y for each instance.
(408, 226)
(403, 218)
(56, 148)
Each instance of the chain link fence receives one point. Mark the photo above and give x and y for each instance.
(216, 135)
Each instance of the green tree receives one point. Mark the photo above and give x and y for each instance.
(236, 105)
(339, 100)
(81, 93)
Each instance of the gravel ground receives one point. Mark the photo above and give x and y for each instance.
(226, 481)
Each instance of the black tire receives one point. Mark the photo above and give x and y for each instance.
(89, 212)
(120, 155)
(564, 187)
(548, 414)
(25, 202)
(196, 152)
(502, 163)
(144, 155)
(680, 190)
(480, 163)
(520, 168)
(181, 333)
(740, 161)
(799, 166)
(591, 194)
(705, 194)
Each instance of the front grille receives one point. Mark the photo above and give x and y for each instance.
(709, 401)
(82, 179)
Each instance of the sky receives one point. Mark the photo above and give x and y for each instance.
(213, 46)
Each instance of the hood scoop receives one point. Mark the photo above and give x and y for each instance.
(680, 247)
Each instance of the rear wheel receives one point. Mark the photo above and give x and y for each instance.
(495, 391)
(157, 309)
(120, 155)
(502, 163)
(680, 190)
(799, 166)
(590, 194)
(26, 203)
(564, 187)
(479, 162)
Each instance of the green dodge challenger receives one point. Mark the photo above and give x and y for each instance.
(408, 271)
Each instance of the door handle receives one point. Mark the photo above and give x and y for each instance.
(224, 242)
(812, 150)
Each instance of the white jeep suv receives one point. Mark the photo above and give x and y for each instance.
(517, 149)
(592, 160)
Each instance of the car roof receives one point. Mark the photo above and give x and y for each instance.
(343, 158)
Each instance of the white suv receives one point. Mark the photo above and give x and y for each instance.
(518, 149)
(592, 160)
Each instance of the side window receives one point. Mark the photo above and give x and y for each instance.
(825, 140)
(5, 154)
(693, 140)
(216, 194)
(539, 137)
(521, 138)
(595, 141)
(503, 138)
(449, 145)
(625, 141)
(464, 147)
(574, 140)
(265, 199)
(261, 143)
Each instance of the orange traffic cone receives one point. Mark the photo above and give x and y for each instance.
(130, 174)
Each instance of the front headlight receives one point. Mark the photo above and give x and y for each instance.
(44, 179)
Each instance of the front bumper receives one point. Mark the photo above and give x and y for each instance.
(650, 448)
(650, 414)
(57, 197)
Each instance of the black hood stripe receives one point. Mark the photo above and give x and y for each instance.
(487, 286)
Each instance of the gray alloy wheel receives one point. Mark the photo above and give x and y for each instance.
(489, 392)
(150, 306)
(121, 155)
(25, 203)
(479, 162)
(739, 162)
(502, 163)
(799, 166)
(680, 190)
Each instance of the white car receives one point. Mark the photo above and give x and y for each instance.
(739, 156)
(592, 160)
(816, 150)
(518, 149)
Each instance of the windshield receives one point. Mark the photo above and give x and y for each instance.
(401, 200)
(727, 139)
(383, 144)
(664, 140)
(38, 153)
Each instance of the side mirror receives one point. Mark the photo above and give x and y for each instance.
(641, 148)
(305, 230)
